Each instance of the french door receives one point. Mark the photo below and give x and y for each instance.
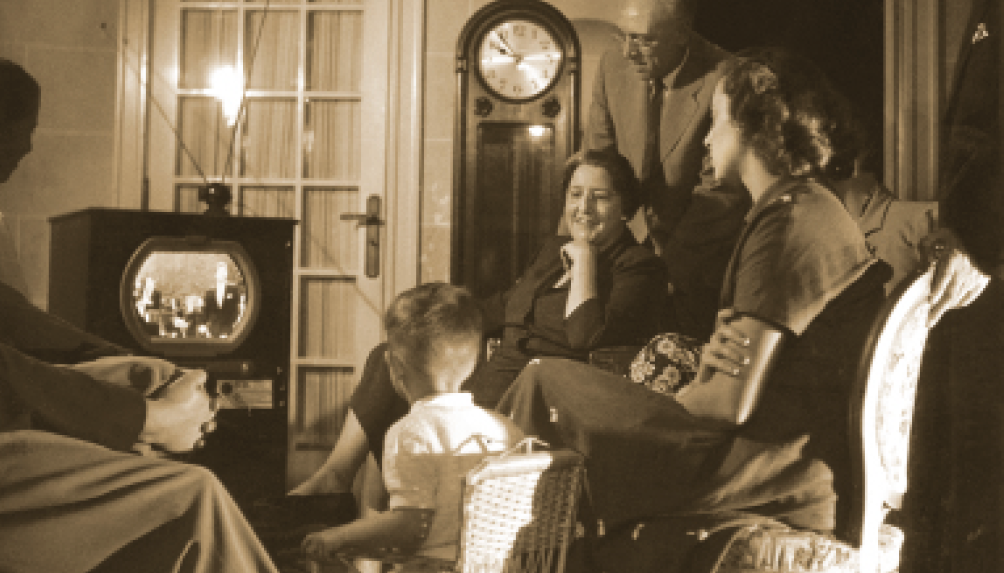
(285, 101)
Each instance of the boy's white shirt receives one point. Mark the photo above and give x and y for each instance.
(429, 451)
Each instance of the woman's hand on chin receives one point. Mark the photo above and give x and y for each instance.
(577, 250)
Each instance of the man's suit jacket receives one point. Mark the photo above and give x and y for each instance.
(700, 221)
(971, 192)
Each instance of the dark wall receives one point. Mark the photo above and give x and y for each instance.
(844, 37)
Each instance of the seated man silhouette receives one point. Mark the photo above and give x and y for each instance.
(74, 409)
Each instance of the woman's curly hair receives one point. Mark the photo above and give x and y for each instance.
(790, 114)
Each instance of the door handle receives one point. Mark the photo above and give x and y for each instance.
(371, 220)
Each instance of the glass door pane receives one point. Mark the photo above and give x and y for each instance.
(270, 134)
(327, 317)
(205, 138)
(330, 242)
(334, 50)
(271, 57)
(208, 41)
(331, 142)
(268, 202)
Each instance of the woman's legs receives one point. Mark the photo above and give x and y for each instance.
(643, 450)
(339, 470)
(72, 506)
(374, 407)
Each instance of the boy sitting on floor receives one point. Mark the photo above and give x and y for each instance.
(433, 342)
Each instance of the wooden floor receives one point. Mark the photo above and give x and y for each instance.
(281, 524)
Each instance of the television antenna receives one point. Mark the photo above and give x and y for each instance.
(216, 195)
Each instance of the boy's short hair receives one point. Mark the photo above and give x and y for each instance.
(436, 325)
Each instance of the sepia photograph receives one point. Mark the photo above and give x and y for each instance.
(501, 286)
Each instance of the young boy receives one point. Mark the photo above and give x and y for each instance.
(433, 342)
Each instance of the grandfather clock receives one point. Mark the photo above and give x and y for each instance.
(517, 122)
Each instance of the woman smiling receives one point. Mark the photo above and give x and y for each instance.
(597, 287)
(759, 435)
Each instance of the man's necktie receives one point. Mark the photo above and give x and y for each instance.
(653, 124)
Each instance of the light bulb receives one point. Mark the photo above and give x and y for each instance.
(227, 85)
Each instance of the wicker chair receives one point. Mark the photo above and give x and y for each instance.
(518, 514)
(881, 415)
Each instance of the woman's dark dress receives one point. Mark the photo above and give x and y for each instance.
(530, 317)
(800, 264)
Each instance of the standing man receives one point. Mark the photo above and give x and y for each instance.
(651, 102)
(222, 305)
(971, 195)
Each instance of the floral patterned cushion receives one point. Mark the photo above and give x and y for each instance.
(667, 363)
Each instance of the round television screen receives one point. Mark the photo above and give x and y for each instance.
(184, 297)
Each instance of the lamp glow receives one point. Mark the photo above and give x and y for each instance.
(536, 130)
(227, 85)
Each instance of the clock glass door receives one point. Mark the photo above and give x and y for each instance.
(518, 205)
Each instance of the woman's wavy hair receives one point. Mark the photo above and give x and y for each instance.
(788, 111)
(622, 176)
(20, 94)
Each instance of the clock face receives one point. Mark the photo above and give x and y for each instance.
(519, 59)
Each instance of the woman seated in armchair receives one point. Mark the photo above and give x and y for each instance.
(596, 288)
(672, 466)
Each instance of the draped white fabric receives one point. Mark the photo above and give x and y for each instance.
(334, 46)
(270, 55)
(204, 135)
(331, 149)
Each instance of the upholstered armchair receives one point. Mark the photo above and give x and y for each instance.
(881, 416)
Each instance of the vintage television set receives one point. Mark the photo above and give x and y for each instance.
(204, 291)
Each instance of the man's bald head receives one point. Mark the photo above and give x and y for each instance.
(655, 17)
(656, 33)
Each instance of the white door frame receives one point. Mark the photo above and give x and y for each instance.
(912, 97)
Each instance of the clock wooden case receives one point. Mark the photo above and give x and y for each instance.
(518, 78)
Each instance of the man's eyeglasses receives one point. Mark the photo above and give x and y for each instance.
(641, 43)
